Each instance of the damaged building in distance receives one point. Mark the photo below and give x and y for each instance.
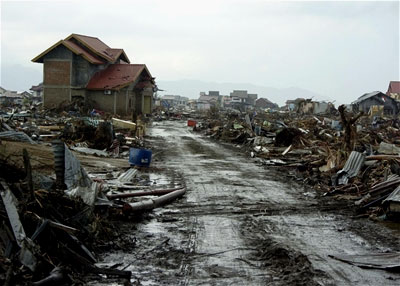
(84, 68)
(376, 103)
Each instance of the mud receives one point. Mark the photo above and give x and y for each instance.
(242, 223)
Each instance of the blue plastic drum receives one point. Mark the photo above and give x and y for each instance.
(140, 157)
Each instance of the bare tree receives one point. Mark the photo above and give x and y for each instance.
(350, 132)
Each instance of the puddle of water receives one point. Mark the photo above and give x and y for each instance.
(154, 227)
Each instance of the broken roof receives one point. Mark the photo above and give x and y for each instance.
(117, 76)
(38, 87)
(371, 94)
(90, 48)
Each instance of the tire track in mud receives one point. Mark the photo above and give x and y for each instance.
(217, 242)
(213, 175)
(243, 224)
(287, 218)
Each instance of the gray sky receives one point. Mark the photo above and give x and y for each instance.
(337, 49)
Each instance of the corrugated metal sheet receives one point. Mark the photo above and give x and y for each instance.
(394, 196)
(371, 94)
(351, 168)
(16, 136)
(128, 176)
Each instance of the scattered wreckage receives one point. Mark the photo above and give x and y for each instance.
(54, 212)
(342, 155)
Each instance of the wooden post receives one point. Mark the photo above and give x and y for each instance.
(28, 170)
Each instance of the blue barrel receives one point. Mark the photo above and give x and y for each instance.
(140, 157)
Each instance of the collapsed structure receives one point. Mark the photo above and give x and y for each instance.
(376, 103)
(84, 69)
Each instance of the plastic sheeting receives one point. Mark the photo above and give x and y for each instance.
(77, 180)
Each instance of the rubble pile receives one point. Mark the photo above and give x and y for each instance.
(56, 215)
(111, 135)
(359, 162)
(45, 230)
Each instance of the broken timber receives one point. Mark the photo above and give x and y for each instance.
(154, 203)
(143, 193)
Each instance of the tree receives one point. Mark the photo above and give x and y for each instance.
(350, 131)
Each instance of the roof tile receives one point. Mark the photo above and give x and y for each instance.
(116, 76)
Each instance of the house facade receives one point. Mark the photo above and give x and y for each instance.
(293, 104)
(242, 99)
(376, 100)
(37, 90)
(86, 69)
(206, 101)
(10, 97)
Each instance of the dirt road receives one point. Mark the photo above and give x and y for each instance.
(243, 224)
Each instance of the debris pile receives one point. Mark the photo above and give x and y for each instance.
(56, 215)
(346, 155)
(111, 135)
(45, 230)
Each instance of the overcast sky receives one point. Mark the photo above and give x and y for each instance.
(337, 49)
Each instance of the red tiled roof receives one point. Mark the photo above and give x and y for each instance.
(118, 54)
(91, 48)
(394, 87)
(94, 44)
(114, 53)
(80, 51)
(116, 76)
(100, 48)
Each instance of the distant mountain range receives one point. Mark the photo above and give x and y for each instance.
(192, 88)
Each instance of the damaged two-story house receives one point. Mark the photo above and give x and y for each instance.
(84, 68)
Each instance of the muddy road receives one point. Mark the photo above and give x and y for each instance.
(243, 224)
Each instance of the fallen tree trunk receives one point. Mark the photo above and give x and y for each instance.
(154, 203)
(143, 193)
